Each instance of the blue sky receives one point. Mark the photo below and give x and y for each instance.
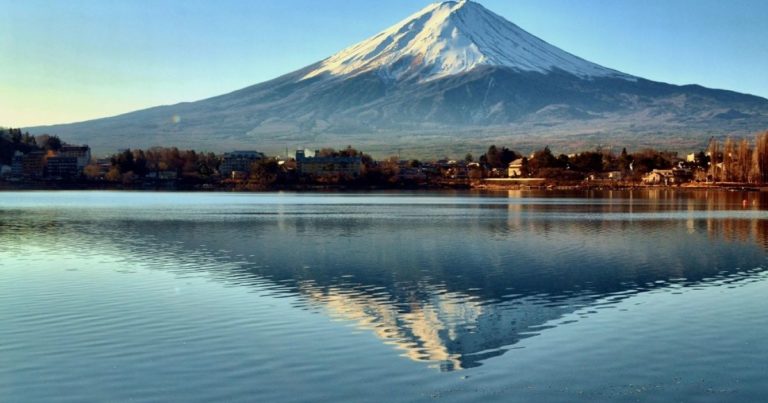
(66, 61)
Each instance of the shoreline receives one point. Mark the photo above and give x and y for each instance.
(744, 187)
(475, 185)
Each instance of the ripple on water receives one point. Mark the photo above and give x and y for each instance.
(284, 297)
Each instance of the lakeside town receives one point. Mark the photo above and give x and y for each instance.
(48, 162)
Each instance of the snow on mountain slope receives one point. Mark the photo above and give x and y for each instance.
(450, 38)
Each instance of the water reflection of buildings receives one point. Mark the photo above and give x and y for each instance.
(451, 309)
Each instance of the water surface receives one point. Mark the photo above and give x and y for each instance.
(455, 296)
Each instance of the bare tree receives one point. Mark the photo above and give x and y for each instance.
(714, 159)
(743, 161)
(759, 172)
(728, 157)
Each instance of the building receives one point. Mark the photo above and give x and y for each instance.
(328, 166)
(668, 176)
(17, 165)
(81, 153)
(515, 169)
(411, 174)
(455, 170)
(163, 175)
(61, 167)
(237, 163)
(33, 165)
(658, 177)
(615, 175)
(606, 176)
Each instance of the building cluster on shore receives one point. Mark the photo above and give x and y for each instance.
(47, 161)
(64, 164)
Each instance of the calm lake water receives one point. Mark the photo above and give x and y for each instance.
(521, 296)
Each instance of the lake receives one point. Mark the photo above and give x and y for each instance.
(653, 295)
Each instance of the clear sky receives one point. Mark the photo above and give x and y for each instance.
(66, 61)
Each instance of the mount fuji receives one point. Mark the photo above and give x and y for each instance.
(451, 77)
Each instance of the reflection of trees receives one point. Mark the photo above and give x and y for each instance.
(448, 291)
(739, 230)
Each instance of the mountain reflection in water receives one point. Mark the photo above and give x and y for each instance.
(451, 280)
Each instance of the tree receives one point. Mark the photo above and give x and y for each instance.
(140, 163)
(728, 159)
(647, 160)
(15, 136)
(264, 173)
(28, 140)
(759, 171)
(701, 160)
(714, 159)
(743, 161)
(43, 141)
(204, 170)
(542, 159)
(624, 161)
(498, 158)
(124, 161)
(113, 175)
(588, 162)
(92, 171)
(390, 169)
(53, 144)
(349, 152)
(525, 169)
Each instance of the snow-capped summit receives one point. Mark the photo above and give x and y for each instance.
(450, 38)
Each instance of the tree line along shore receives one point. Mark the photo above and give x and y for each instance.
(48, 162)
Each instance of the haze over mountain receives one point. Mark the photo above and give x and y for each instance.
(452, 77)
